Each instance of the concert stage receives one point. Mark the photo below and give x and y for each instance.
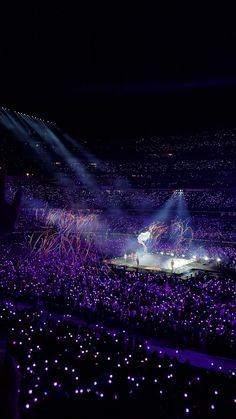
(162, 263)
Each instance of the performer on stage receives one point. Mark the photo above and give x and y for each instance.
(172, 265)
(137, 260)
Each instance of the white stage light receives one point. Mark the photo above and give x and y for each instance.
(142, 237)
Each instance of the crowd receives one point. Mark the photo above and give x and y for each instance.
(204, 228)
(197, 312)
(200, 160)
(68, 368)
(221, 141)
(203, 160)
(214, 229)
(69, 195)
(78, 328)
(156, 173)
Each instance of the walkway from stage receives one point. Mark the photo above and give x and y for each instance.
(198, 359)
(195, 358)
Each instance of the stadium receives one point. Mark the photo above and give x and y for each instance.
(117, 211)
(109, 274)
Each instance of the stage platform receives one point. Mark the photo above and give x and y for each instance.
(162, 263)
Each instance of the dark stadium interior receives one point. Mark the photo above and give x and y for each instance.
(118, 210)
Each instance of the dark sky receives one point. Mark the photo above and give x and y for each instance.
(128, 67)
